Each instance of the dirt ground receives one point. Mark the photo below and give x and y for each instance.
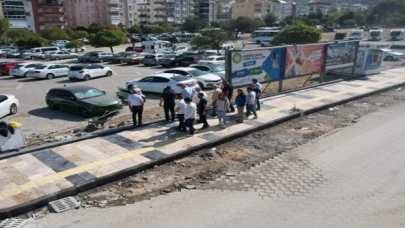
(235, 156)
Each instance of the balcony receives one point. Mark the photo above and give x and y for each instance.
(160, 15)
(113, 9)
(163, 1)
(144, 15)
(53, 12)
(112, 1)
(115, 17)
(144, 9)
(159, 21)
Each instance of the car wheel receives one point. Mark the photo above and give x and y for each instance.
(200, 85)
(389, 58)
(86, 77)
(13, 109)
(51, 105)
(83, 112)
(26, 75)
(130, 87)
(50, 76)
(57, 58)
(32, 57)
(71, 79)
(109, 73)
(258, 41)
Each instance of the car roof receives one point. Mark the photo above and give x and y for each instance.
(182, 68)
(206, 65)
(74, 88)
(163, 75)
(214, 56)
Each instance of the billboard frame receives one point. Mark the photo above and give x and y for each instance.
(355, 56)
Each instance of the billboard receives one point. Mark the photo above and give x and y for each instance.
(341, 55)
(261, 64)
(304, 60)
(374, 58)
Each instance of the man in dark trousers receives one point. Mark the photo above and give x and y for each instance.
(190, 114)
(227, 89)
(136, 106)
(202, 110)
(168, 101)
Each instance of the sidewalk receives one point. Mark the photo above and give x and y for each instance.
(30, 180)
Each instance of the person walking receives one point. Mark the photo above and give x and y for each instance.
(222, 105)
(257, 88)
(202, 110)
(135, 103)
(190, 114)
(168, 101)
(243, 44)
(198, 90)
(180, 110)
(214, 98)
(187, 91)
(251, 103)
(227, 89)
(240, 102)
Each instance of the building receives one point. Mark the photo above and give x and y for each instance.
(356, 8)
(173, 12)
(251, 8)
(282, 9)
(300, 10)
(48, 12)
(205, 11)
(19, 13)
(315, 6)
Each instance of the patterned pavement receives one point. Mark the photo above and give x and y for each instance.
(65, 170)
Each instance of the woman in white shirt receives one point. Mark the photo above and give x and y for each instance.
(190, 114)
(222, 105)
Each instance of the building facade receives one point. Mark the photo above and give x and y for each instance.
(19, 13)
(250, 8)
(48, 12)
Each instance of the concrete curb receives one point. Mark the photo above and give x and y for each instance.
(19, 209)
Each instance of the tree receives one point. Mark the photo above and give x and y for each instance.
(360, 19)
(349, 22)
(192, 25)
(69, 32)
(54, 33)
(30, 42)
(79, 35)
(4, 27)
(113, 27)
(135, 29)
(270, 19)
(210, 39)
(297, 34)
(245, 24)
(94, 28)
(81, 28)
(74, 44)
(108, 38)
(156, 29)
(169, 29)
(314, 22)
(18, 34)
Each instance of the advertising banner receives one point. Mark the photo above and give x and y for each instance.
(303, 60)
(341, 55)
(374, 58)
(262, 64)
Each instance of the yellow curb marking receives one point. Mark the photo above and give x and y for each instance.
(57, 176)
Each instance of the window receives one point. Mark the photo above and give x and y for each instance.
(2, 98)
(148, 79)
(161, 80)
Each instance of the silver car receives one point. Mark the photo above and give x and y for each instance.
(61, 55)
(49, 71)
(212, 68)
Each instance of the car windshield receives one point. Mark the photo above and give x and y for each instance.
(169, 56)
(216, 68)
(395, 33)
(375, 33)
(197, 72)
(120, 54)
(88, 93)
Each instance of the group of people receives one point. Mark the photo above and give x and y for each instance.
(195, 101)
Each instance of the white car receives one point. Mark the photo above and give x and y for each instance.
(180, 50)
(204, 79)
(210, 68)
(390, 55)
(8, 105)
(49, 71)
(21, 69)
(158, 82)
(89, 71)
(214, 59)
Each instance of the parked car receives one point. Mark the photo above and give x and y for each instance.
(398, 48)
(208, 53)
(99, 57)
(180, 50)
(4, 52)
(49, 71)
(158, 82)
(21, 69)
(390, 55)
(85, 57)
(8, 105)
(123, 94)
(61, 55)
(170, 38)
(133, 58)
(210, 68)
(87, 72)
(171, 60)
(134, 49)
(214, 59)
(117, 57)
(204, 79)
(85, 100)
(152, 59)
(190, 59)
(265, 43)
(14, 54)
(32, 53)
(6, 66)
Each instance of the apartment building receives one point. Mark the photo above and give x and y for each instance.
(19, 13)
(165, 11)
(250, 8)
(205, 10)
(48, 12)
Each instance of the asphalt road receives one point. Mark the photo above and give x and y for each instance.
(352, 178)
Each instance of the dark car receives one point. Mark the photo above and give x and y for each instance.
(85, 100)
(170, 38)
(170, 60)
(190, 59)
(99, 57)
(85, 58)
(134, 49)
(14, 54)
(117, 57)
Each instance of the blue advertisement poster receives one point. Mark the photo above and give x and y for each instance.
(263, 65)
(374, 58)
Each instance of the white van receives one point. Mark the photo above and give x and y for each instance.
(226, 47)
(356, 34)
(375, 35)
(397, 34)
(159, 46)
(38, 52)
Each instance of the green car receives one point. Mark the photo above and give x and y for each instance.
(85, 100)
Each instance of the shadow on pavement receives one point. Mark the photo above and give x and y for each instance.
(50, 114)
